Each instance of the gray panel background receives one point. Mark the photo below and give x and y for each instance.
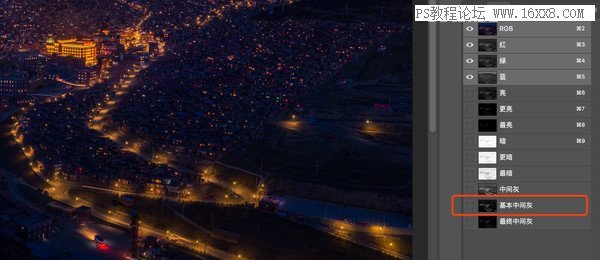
(564, 239)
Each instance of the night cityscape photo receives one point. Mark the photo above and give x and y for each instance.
(206, 129)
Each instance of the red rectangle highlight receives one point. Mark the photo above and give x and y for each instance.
(574, 196)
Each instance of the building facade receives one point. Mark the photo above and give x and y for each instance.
(14, 83)
(36, 226)
(88, 76)
(81, 49)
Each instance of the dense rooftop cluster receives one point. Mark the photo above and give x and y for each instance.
(218, 85)
(219, 81)
(185, 79)
(57, 131)
(27, 23)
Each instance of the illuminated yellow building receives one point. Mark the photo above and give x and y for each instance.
(73, 48)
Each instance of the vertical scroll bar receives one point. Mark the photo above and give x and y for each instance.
(432, 74)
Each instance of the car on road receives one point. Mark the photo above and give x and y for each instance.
(100, 243)
(99, 240)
